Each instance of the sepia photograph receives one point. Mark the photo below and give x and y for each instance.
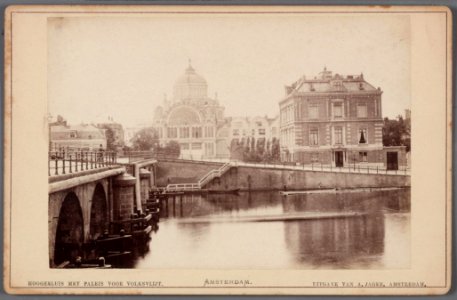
(192, 156)
(222, 139)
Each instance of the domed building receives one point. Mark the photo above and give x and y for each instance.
(191, 118)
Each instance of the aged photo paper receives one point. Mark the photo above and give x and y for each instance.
(236, 150)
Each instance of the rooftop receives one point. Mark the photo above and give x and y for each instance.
(326, 82)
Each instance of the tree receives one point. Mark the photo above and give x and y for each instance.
(397, 133)
(145, 139)
(236, 149)
(110, 140)
(260, 147)
(275, 150)
(173, 149)
(249, 150)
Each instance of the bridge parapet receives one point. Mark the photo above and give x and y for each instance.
(64, 182)
(68, 161)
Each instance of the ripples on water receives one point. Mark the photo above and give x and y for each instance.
(363, 230)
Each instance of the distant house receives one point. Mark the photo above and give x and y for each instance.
(77, 137)
(259, 129)
(118, 132)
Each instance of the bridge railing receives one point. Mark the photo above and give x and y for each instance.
(66, 162)
(133, 156)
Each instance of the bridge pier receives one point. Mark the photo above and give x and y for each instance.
(145, 185)
(123, 196)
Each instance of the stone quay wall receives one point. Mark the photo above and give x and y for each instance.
(182, 171)
(254, 178)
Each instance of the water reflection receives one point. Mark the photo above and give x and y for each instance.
(336, 243)
(366, 230)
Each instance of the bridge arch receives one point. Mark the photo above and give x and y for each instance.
(70, 230)
(98, 212)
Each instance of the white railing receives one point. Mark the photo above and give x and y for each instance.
(214, 173)
(174, 187)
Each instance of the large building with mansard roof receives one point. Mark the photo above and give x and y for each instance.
(335, 120)
(192, 118)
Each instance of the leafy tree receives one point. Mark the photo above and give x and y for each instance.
(110, 140)
(236, 149)
(275, 150)
(397, 132)
(145, 139)
(250, 151)
(172, 148)
(260, 147)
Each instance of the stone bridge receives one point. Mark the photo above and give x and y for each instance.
(82, 205)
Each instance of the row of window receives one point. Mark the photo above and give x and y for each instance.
(209, 147)
(236, 131)
(337, 111)
(337, 135)
(187, 132)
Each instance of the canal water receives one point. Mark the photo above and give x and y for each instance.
(265, 230)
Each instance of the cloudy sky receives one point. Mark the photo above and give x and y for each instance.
(123, 66)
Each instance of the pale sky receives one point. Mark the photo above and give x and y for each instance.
(123, 66)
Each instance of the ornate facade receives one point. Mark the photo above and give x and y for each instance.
(191, 118)
(334, 119)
